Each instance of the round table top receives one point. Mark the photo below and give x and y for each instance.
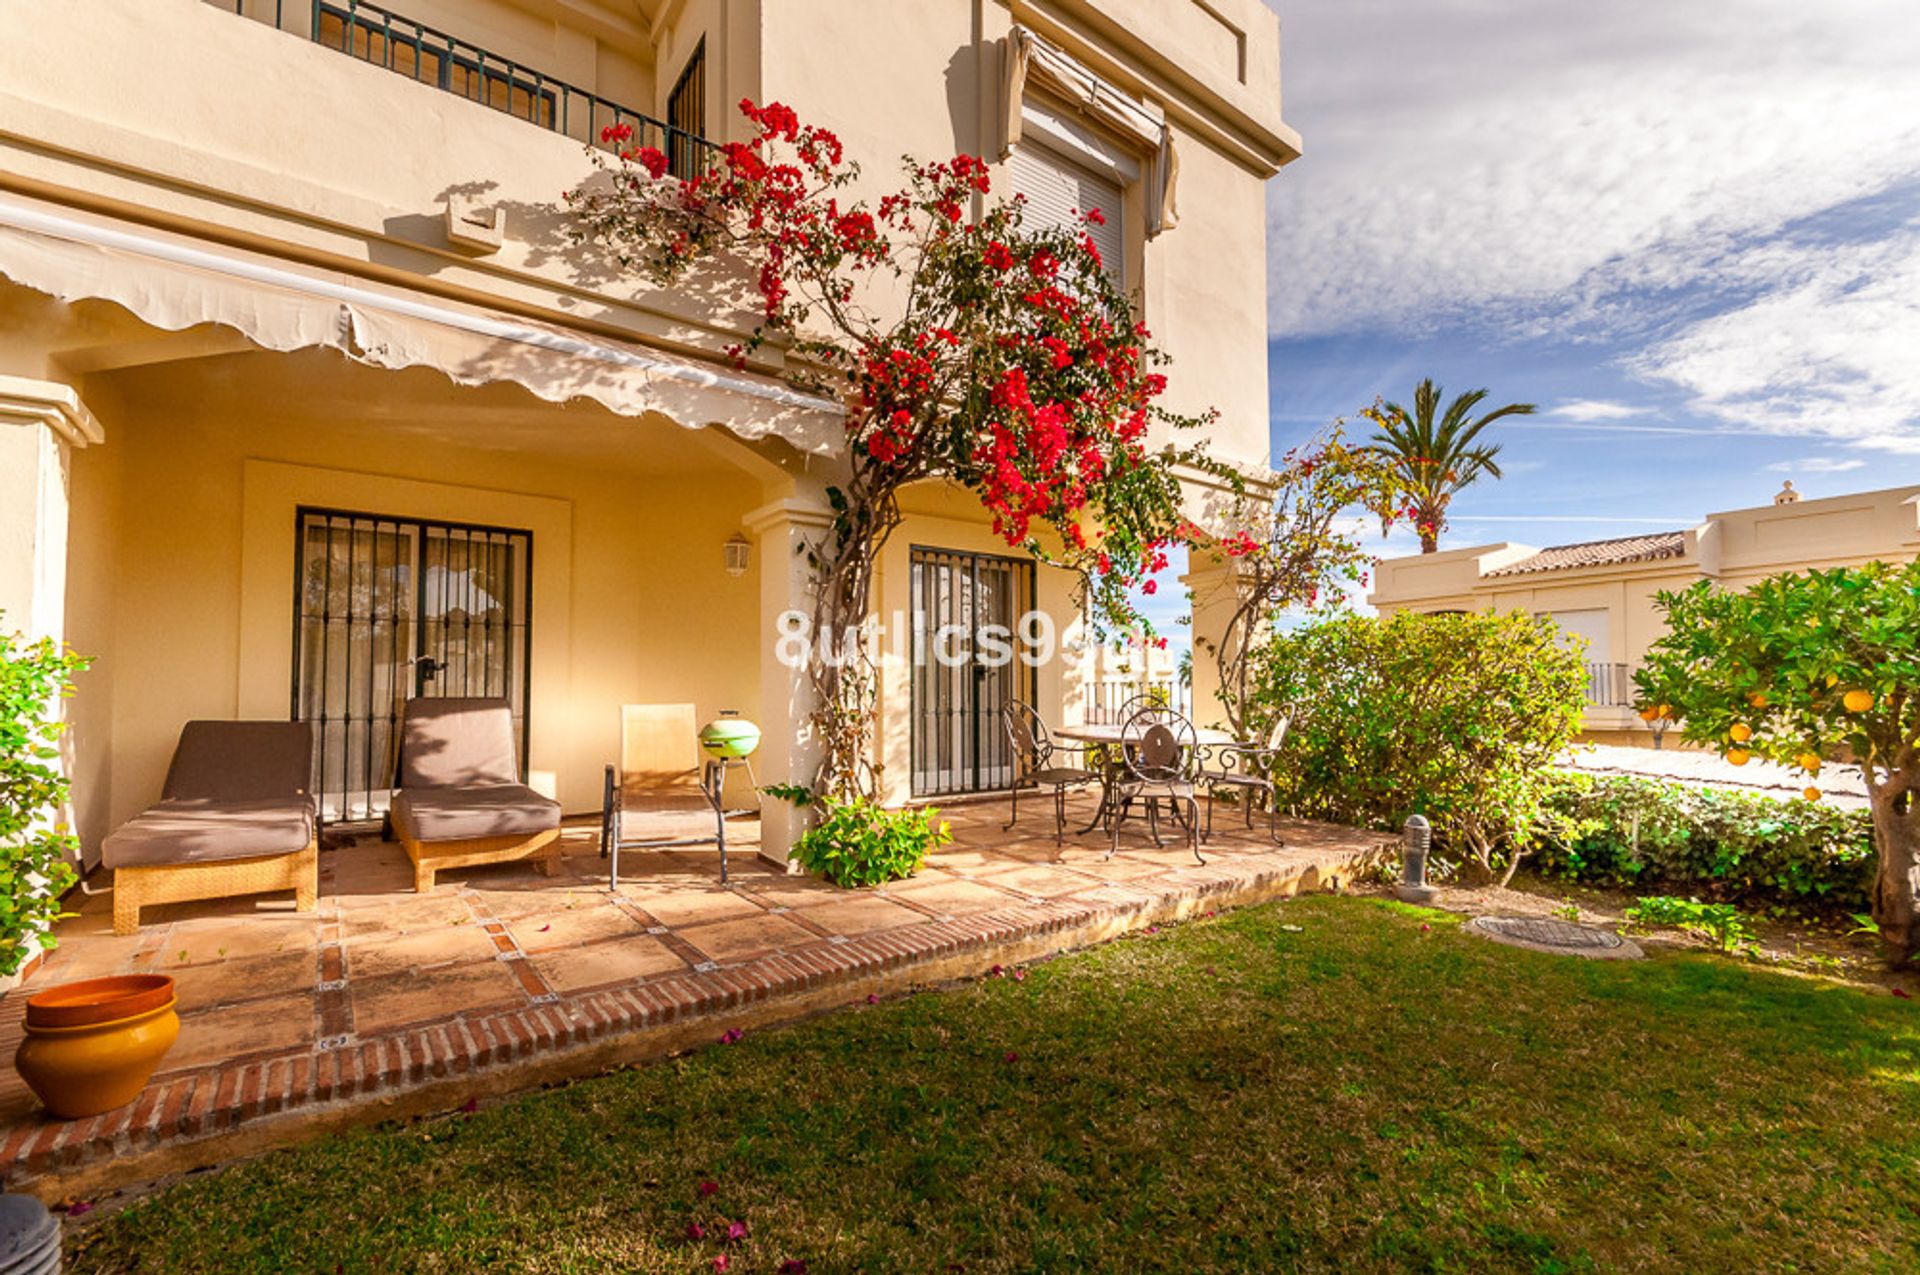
(1109, 733)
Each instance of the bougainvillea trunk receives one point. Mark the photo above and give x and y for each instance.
(1896, 887)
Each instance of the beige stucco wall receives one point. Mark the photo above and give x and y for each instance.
(181, 115)
(190, 516)
(1735, 549)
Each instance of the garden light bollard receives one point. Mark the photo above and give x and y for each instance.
(1417, 836)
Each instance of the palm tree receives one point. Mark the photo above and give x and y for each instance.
(1434, 459)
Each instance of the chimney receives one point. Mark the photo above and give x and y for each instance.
(1787, 494)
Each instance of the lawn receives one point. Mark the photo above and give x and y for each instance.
(1325, 1083)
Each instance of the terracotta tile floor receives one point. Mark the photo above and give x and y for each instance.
(257, 978)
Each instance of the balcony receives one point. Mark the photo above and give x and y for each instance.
(453, 65)
(1610, 686)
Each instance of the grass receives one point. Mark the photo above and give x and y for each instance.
(1330, 1083)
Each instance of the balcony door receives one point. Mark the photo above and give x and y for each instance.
(960, 681)
(388, 608)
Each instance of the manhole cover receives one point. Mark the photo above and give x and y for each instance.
(1543, 934)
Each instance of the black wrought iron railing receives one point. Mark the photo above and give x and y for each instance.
(1610, 685)
(451, 64)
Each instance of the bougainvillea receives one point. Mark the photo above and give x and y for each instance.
(1296, 549)
(964, 343)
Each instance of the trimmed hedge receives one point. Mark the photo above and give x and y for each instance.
(1720, 844)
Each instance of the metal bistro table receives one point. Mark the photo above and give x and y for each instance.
(1107, 736)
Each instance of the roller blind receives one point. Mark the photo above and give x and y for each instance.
(1059, 192)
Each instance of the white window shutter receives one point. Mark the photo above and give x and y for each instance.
(1060, 192)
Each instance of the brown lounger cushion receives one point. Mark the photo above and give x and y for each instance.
(235, 790)
(191, 831)
(451, 743)
(479, 810)
(241, 761)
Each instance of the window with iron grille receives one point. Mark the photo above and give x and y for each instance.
(958, 744)
(687, 116)
(387, 609)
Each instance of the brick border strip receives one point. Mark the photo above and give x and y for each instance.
(237, 1108)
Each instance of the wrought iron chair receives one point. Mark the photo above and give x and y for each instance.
(1246, 770)
(1033, 758)
(1158, 752)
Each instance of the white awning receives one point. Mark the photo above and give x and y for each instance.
(173, 284)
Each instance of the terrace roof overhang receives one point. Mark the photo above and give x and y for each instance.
(174, 283)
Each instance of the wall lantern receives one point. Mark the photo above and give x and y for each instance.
(738, 551)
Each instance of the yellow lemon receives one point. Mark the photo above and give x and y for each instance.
(1810, 762)
(1737, 756)
(1858, 701)
(1663, 710)
(1811, 794)
(1740, 732)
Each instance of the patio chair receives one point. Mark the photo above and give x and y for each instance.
(1246, 770)
(460, 801)
(662, 787)
(1158, 752)
(1033, 751)
(236, 816)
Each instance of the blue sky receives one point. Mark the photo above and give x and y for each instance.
(1689, 233)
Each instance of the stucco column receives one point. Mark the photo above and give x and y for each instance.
(41, 422)
(1213, 589)
(789, 752)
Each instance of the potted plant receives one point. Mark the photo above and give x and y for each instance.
(91, 1046)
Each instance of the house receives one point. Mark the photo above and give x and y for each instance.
(310, 405)
(1603, 592)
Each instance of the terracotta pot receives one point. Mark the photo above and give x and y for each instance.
(91, 1046)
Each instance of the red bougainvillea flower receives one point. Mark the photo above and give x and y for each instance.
(722, 1262)
(1902, 993)
(695, 1231)
(707, 1187)
(736, 1231)
(731, 1036)
(794, 1266)
(1010, 1058)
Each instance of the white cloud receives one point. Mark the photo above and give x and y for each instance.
(1597, 409)
(1556, 164)
(1816, 465)
(1715, 186)
(1828, 348)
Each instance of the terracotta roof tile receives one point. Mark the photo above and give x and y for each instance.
(1600, 553)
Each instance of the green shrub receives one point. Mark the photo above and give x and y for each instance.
(1720, 922)
(1620, 830)
(35, 851)
(860, 843)
(1457, 717)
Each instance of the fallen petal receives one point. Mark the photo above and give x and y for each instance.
(708, 1186)
(695, 1231)
(736, 1230)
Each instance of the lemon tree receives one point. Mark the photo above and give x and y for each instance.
(1817, 671)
